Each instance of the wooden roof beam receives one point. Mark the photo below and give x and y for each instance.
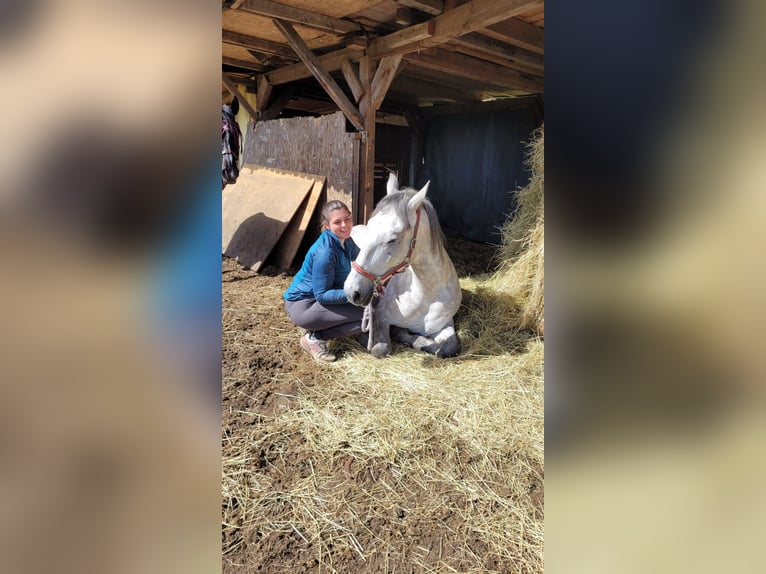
(244, 64)
(510, 56)
(464, 19)
(302, 17)
(519, 33)
(265, 46)
(322, 76)
(330, 62)
(478, 70)
(242, 99)
(433, 7)
(384, 75)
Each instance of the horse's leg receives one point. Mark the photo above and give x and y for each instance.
(379, 336)
(380, 339)
(444, 344)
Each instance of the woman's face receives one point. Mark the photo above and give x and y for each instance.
(340, 223)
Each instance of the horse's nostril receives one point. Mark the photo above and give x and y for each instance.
(357, 296)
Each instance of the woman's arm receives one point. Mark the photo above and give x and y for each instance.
(323, 279)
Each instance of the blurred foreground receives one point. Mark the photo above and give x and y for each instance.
(656, 291)
(109, 392)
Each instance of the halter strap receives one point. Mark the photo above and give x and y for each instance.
(380, 281)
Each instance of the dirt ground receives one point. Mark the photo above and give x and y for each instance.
(263, 370)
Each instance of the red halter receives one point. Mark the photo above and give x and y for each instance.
(380, 281)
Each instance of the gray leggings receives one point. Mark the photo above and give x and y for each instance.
(327, 322)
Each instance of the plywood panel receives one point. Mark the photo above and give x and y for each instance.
(256, 211)
(287, 246)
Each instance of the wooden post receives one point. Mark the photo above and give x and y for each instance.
(367, 145)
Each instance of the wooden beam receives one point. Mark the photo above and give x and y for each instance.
(479, 70)
(263, 94)
(279, 104)
(405, 16)
(322, 76)
(242, 99)
(383, 77)
(496, 105)
(265, 46)
(244, 64)
(401, 41)
(367, 146)
(498, 52)
(433, 7)
(422, 89)
(460, 21)
(298, 16)
(519, 33)
(352, 79)
(330, 62)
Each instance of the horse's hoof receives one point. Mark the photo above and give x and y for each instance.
(380, 350)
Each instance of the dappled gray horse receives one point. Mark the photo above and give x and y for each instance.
(404, 276)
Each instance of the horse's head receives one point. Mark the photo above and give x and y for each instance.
(231, 145)
(386, 242)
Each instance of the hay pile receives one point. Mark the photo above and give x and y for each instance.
(522, 272)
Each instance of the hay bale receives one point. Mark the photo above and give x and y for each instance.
(522, 269)
(529, 200)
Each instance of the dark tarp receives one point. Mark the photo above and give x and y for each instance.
(475, 162)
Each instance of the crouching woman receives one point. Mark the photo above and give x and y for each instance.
(315, 299)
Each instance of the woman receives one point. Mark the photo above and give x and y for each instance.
(315, 299)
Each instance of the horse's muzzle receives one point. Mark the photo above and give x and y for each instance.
(358, 290)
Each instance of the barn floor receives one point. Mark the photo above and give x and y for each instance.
(264, 370)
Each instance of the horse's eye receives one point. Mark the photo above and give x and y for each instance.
(390, 241)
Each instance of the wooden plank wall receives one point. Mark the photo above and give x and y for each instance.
(318, 146)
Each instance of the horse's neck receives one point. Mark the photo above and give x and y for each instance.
(424, 262)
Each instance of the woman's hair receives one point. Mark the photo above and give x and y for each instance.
(329, 207)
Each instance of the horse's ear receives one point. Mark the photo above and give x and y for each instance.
(234, 106)
(418, 198)
(393, 183)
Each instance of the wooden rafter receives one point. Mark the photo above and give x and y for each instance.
(432, 7)
(384, 75)
(352, 79)
(265, 46)
(479, 70)
(322, 76)
(462, 20)
(244, 64)
(519, 33)
(298, 16)
(242, 99)
(498, 52)
(298, 71)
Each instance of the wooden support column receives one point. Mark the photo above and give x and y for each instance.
(367, 147)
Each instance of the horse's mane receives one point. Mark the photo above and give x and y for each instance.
(398, 201)
(231, 145)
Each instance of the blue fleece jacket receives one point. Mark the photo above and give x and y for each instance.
(325, 268)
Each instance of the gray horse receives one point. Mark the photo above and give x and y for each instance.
(404, 276)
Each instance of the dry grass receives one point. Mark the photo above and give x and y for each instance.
(405, 464)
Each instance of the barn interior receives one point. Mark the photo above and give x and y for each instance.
(446, 91)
